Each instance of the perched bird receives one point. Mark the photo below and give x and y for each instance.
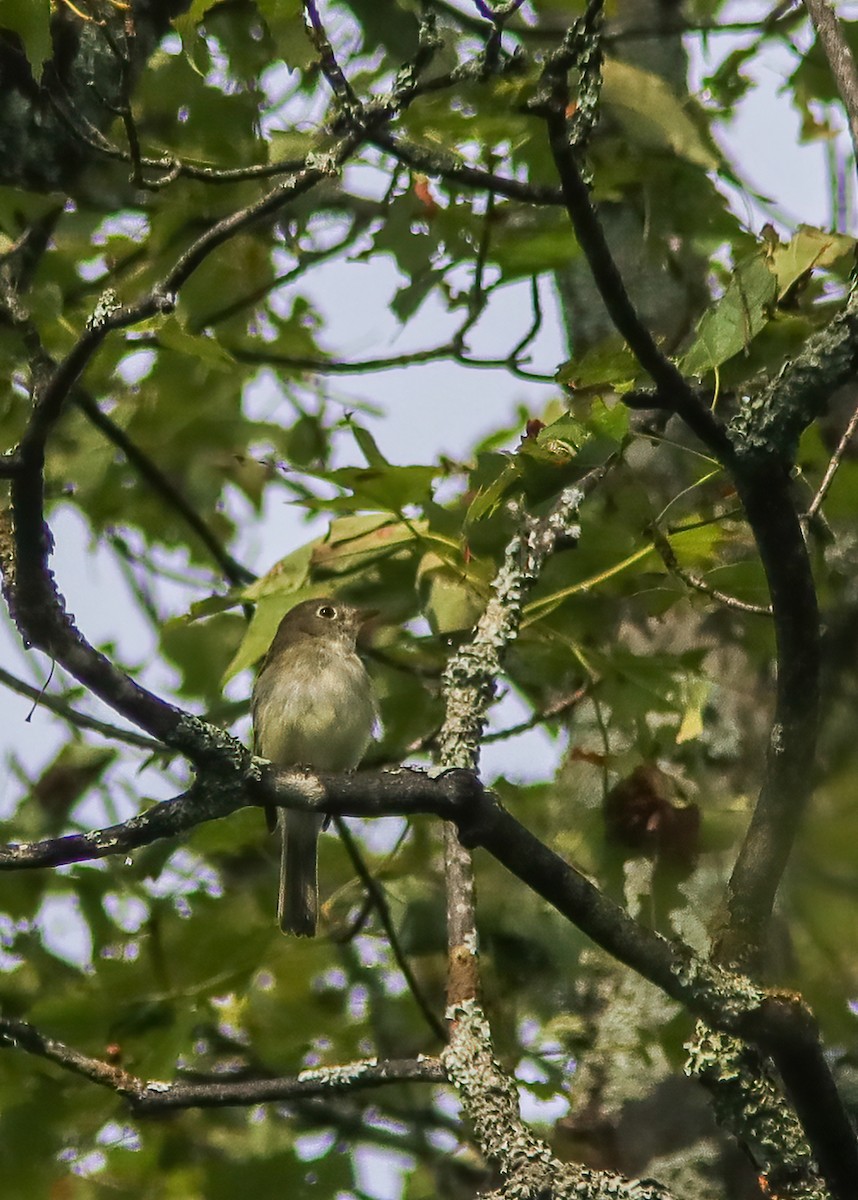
(312, 706)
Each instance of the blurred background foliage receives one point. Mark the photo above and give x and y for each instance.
(654, 693)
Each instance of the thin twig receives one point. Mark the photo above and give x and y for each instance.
(558, 708)
(379, 902)
(831, 469)
(535, 325)
(393, 362)
(665, 550)
(79, 720)
(237, 574)
(146, 1096)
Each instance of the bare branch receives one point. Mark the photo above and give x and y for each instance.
(77, 719)
(831, 469)
(699, 584)
(379, 903)
(150, 1096)
(836, 49)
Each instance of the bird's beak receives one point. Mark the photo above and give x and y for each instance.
(366, 623)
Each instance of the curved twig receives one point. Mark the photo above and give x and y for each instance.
(151, 1096)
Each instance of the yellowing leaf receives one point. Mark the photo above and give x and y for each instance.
(369, 538)
(653, 114)
(691, 725)
(808, 249)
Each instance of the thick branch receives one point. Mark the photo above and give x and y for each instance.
(770, 508)
(526, 1163)
(747, 1100)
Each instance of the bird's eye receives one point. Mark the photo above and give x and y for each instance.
(327, 612)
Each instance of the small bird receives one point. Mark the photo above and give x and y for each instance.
(312, 706)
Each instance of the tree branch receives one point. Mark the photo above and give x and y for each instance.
(553, 102)
(836, 49)
(526, 1163)
(379, 903)
(79, 720)
(148, 1097)
(151, 473)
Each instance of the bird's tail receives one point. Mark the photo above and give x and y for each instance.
(298, 901)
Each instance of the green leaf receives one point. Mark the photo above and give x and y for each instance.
(380, 485)
(808, 249)
(530, 241)
(448, 601)
(368, 446)
(201, 651)
(31, 20)
(610, 364)
(199, 346)
(654, 115)
(733, 321)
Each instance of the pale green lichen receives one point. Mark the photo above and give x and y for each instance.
(350, 1073)
(747, 1100)
(490, 1100)
(769, 422)
(107, 305)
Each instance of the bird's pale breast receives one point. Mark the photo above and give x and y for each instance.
(317, 712)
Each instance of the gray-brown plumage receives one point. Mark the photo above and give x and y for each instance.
(312, 706)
